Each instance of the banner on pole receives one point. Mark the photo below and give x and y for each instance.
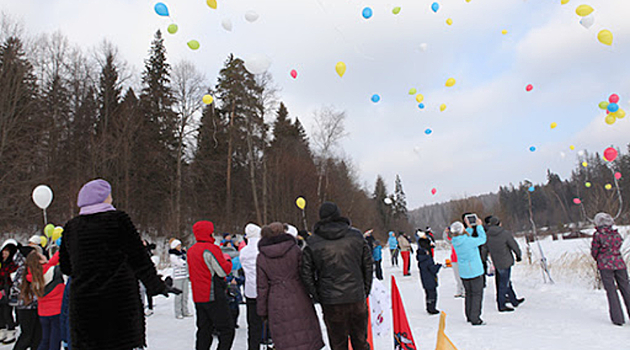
(403, 339)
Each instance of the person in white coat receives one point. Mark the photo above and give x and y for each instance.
(180, 278)
(248, 257)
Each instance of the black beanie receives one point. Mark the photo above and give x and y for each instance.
(494, 221)
(329, 210)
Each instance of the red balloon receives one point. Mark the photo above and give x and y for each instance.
(529, 87)
(614, 98)
(434, 191)
(610, 154)
(294, 74)
(618, 176)
(577, 201)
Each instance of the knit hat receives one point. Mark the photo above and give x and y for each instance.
(604, 219)
(175, 243)
(494, 221)
(252, 231)
(35, 239)
(457, 227)
(329, 210)
(94, 192)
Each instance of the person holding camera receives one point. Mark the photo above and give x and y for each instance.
(502, 247)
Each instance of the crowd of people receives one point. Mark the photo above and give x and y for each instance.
(84, 292)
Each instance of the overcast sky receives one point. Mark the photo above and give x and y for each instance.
(480, 142)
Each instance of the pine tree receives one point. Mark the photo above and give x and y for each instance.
(384, 210)
(400, 201)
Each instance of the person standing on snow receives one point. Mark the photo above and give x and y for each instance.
(392, 241)
(180, 278)
(405, 252)
(30, 328)
(249, 254)
(606, 250)
(377, 254)
(447, 236)
(207, 268)
(428, 271)
(281, 296)
(337, 249)
(7, 268)
(501, 246)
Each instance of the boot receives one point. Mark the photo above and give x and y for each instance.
(431, 307)
(10, 337)
(3, 334)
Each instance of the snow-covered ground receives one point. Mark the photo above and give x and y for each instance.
(569, 314)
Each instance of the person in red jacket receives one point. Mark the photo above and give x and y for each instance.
(207, 268)
(45, 281)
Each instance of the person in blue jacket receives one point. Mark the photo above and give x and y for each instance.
(393, 247)
(377, 254)
(466, 242)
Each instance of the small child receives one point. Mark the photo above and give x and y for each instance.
(235, 280)
(180, 278)
(377, 254)
(428, 272)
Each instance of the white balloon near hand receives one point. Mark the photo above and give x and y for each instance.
(251, 16)
(387, 200)
(588, 21)
(257, 63)
(42, 196)
(227, 24)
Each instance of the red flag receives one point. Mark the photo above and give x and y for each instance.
(403, 339)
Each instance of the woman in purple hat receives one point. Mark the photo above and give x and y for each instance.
(104, 255)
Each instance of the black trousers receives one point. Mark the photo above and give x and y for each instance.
(474, 298)
(254, 326)
(211, 316)
(379, 269)
(613, 280)
(6, 317)
(31, 330)
(430, 296)
(347, 320)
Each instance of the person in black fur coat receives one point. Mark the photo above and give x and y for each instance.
(103, 253)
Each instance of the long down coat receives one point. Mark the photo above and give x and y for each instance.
(105, 257)
(283, 298)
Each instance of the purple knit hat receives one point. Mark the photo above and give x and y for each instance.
(94, 192)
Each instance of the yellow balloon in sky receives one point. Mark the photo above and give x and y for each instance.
(449, 21)
(588, 185)
(504, 31)
(340, 68)
(564, 2)
(442, 107)
(608, 187)
(610, 119)
(419, 98)
(207, 99)
(212, 4)
(412, 91)
(584, 164)
(554, 125)
(605, 37)
(583, 10)
(620, 114)
(450, 82)
(301, 203)
(572, 147)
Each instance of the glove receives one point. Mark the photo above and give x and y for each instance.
(519, 259)
(171, 290)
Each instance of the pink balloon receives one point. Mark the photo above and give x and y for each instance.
(610, 154)
(577, 201)
(434, 191)
(618, 175)
(294, 74)
(614, 98)
(529, 87)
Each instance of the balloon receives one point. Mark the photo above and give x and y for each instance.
(504, 32)
(532, 149)
(610, 119)
(396, 10)
(531, 189)
(585, 164)
(613, 107)
(193, 45)
(419, 98)
(605, 37)
(49, 230)
(57, 233)
(44, 242)
(435, 7)
(300, 202)
(583, 10)
(554, 125)
(529, 87)
(620, 114)
(610, 154)
(577, 201)
(572, 147)
(428, 131)
(442, 107)
(450, 82)
(421, 106)
(424, 47)
(340, 68)
(618, 175)
(564, 2)
(388, 200)
(367, 13)
(581, 153)
(588, 185)
(412, 91)
(614, 98)
(207, 99)
(376, 98)
(172, 29)
(161, 9)
(227, 24)
(257, 63)
(251, 16)
(603, 105)
(587, 21)
(608, 187)
(42, 196)
(434, 191)
(212, 4)
(449, 21)
(563, 155)
(294, 74)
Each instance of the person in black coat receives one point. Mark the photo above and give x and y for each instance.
(102, 252)
(428, 272)
(503, 247)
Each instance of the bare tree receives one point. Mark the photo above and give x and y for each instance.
(329, 130)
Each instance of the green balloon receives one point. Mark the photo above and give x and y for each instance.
(413, 91)
(396, 10)
(193, 44)
(603, 105)
(49, 229)
(173, 28)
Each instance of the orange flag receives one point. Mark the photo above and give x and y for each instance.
(369, 333)
(443, 343)
(403, 339)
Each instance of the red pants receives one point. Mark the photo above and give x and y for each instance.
(405, 257)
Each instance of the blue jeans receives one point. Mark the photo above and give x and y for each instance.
(505, 291)
(51, 333)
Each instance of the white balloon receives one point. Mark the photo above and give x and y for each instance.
(562, 154)
(42, 196)
(227, 24)
(581, 153)
(388, 200)
(251, 16)
(424, 47)
(588, 21)
(257, 63)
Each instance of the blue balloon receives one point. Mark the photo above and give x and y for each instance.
(613, 107)
(428, 131)
(435, 7)
(376, 98)
(532, 149)
(367, 13)
(161, 9)
(532, 189)
(421, 106)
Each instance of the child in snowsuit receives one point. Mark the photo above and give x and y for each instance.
(180, 278)
(235, 280)
(377, 254)
(428, 272)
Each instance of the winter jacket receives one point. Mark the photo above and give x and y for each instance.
(427, 243)
(467, 248)
(377, 253)
(178, 263)
(205, 262)
(392, 241)
(337, 263)
(404, 244)
(105, 257)
(606, 249)
(19, 275)
(501, 244)
(428, 269)
(282, 296)
(249, 254)
(7, 267)
(50, 303)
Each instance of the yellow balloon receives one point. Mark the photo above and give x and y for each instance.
(57, 233)
(554, 125)
(504, 31)
(583, 10)
(584, 164)
(610, 119)
(564, 2)
(620, 114)
(450, 82)
(212, 3)
(605, 37)
(340, 68)
(412, 91)
(44, 241)
(207, 99)
(572, 147)
(608, 187)
(301, 203)
(419, 98)
(588, 185)
(442, 107)
(449, 21)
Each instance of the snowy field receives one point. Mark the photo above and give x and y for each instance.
(569, 314)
